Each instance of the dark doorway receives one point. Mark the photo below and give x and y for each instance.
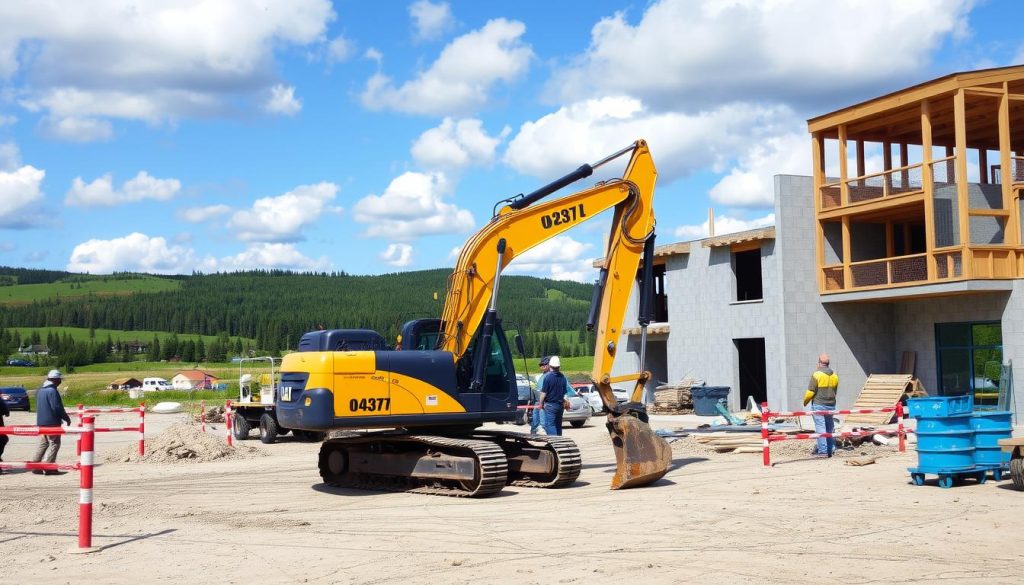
(753, 370)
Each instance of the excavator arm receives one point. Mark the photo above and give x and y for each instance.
(470, 306)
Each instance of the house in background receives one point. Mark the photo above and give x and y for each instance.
(124, 384)
(34, 350)
(194, 380)
(922, 252)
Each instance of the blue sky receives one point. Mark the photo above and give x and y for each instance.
(371, 137)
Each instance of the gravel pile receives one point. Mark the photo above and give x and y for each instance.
(182, 443)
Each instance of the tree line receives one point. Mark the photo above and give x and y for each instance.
(276, 307)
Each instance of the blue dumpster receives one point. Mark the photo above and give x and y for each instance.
(989, 427)
(705, 398)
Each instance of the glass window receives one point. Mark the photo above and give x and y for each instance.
(970, 357)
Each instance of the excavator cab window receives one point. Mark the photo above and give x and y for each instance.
(499, 373)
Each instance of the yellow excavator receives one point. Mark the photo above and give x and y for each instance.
(428, 397)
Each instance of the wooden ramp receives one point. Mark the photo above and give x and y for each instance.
(879, 391)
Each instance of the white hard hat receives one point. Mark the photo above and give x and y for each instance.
(554, 362)
(54, 374)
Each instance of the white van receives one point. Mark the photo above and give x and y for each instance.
(153, 384)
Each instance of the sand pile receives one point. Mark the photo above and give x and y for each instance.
(182, 443)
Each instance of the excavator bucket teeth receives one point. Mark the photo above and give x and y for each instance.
(641, 457)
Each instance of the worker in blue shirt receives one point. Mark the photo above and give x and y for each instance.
(552, 394)
(49, 413)
(537, 414)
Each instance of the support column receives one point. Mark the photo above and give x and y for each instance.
(929, 187)
(847, 247)
(963, 205)
(887, 166)
(1006, 170)
(844, 189)
(818, 158)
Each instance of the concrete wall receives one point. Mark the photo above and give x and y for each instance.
(705, 319)
(858, 338)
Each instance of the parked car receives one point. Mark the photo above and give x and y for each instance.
(21, 363)
(579, 409)
(525, 389)
(15, 397)
(153, 384)
(589, 391)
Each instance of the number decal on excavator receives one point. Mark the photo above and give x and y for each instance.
(369, 404)
(560, 216)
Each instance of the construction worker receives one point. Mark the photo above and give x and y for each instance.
(49, 413)
(552, 395)
(822, 393)
(537, 414)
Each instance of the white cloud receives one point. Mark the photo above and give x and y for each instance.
(201, 214)
(431, 20)
(701, 52)
(462, 76)
(10, 156)
(374, 55)
(750, 183)
(283, 101)
(340, 49)
(152, 61)
(269, 255)
(723, 225)
(76, 129)
(101, 192)
(412, 206)
(680, 143)
(135, 252)
(561, 258)
(456, 144)
(36, 256)
(398, 255)
(138, 252)
(19, 194)
(283, 218)
(7, 120)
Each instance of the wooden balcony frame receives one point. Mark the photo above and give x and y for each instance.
(949, 111)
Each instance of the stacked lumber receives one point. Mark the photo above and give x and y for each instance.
(726, 442)
(879, 391)
(674, 398)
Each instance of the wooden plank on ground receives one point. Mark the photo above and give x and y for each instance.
(879, 391)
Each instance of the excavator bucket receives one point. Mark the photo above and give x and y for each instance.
(641, 457)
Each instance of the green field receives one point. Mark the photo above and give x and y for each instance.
(83, 334)
(97, 285)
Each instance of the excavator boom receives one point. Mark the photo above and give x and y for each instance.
(641, 456)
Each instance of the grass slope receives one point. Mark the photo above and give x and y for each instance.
(84, 286)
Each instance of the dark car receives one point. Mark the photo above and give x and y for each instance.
(21, 363)
(15, 397)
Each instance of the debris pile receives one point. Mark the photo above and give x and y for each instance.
(183, 443)
(212, 415)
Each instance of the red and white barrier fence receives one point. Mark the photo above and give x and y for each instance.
(81, 410)
(87, 434)
(767, 438)
(227, 421)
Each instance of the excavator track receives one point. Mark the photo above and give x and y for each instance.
(422, 464)
(562, 453)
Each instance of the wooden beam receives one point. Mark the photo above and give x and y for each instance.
(860, 160)
(961, 177)
(818, 158)
(847, 252)
(1012, 231)
(983, 165)
(904, 157)
(887, 166)
(890, 240)
(844, 189)
(929, 188)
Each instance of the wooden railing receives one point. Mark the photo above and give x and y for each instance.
(895, 271)
(906, 179)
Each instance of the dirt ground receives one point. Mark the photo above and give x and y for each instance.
(713, 519)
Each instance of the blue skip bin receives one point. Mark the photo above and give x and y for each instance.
(989, 427)
(940, 406)
(945, 447)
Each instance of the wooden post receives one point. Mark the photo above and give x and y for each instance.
(844, 190)
(847, 247)
(1013, 227)
(887, 166)
(860, 161)
(904, 161)
(929, 187)
(818, 158)
(963, 205)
